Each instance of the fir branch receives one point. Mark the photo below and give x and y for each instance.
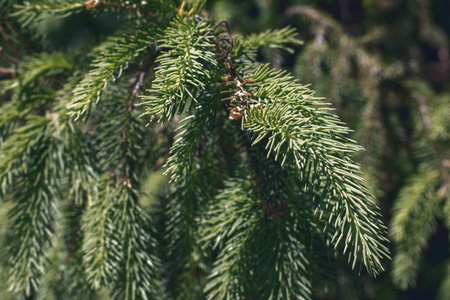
(31, 157)
(414, 220)
(258, 257)
(39, 10)
(186, 65)
(114, 58)
(294, 126)
(17, 150)
(101, 245)
(230, 226)
(278, 38)
(43, 65)
(185, 146)
(139, 277)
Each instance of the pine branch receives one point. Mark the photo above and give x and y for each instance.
(30, 157)
(17, 150)
(186, 65)
(414, 220)
(101, 244)
(39, 10)
(295, 128)
(139, 277)
(258, 257)
(231, 229)
(184, 148)
(44, 65)
(185, 211)
(273, 39)
(113, 59)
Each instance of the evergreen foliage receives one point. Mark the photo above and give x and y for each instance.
(417, 209)
(264, 195)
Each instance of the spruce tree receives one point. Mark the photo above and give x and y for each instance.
(262, 191)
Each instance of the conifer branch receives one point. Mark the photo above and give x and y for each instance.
(29, 155)
(101, 247)
(184, 148)
(295, 128)
(111, 60)
(244, 231)
(38, 10)
(246, 259)
(442, 166)
(273, 39)
(179, 83)
(40, 66)
(413, 223)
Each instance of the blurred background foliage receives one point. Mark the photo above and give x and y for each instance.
(384, 65)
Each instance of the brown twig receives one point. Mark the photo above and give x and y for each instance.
(230, 38)
(10, 43)
(7, 73)
(18, 33)
(8, 57)
(137, 88)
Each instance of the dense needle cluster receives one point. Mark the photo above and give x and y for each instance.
(261, 172)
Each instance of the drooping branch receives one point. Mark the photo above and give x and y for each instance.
(443, 162)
